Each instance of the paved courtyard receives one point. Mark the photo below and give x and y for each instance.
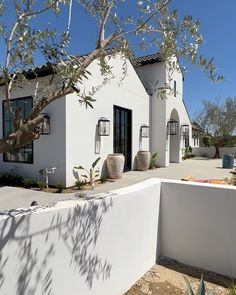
(199, 168)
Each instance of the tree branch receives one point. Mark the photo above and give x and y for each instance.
(101, 36)
(62, 92)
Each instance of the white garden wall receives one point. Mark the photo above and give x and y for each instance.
(198, 225)
(104, 245)
(209, 152)
(98, 247)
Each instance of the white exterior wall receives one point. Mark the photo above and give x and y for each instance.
(73, 139)
(49, 150)
(155, 76)
(97, 247)
(195, 143)
(83, 145)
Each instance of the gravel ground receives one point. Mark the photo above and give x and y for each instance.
(168, 279)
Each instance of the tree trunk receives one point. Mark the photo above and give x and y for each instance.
(217, 153)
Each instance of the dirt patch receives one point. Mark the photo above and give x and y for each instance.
(168, 279)
(68, 190)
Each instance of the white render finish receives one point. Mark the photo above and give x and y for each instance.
(97, 247)
(49, 150)
(103, 246)
(168, 147)
(74, 139)
(198, 225)
(83, 146)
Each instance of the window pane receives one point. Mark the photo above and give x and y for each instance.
(25, 154)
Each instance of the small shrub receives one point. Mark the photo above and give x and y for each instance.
(41, 185)
(103, 179)
(28, 182)
(79, 184)
(60, 187)
(91, 174)
(201, 288)
(232, 288)
(153, 161)
(11, 178)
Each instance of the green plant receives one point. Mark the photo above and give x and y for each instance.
(153, 161)
(103, 179)
(201, 288)
(187, 152)
(11, 178)
(28, 182)
(41, 185)
(79, 183)
(60, 187)
(92, 173)
(232, 288)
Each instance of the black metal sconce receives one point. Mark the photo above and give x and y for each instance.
(185, 130)
(45, 125)
(172, 127)
(103, 127)
(144, 131)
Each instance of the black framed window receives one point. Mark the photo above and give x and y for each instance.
(175, 88)
(24, 154)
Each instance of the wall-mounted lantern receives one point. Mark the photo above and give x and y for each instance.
(103, 127)
(172, 127)
(185, 130)
(45, 125)
(144, 131)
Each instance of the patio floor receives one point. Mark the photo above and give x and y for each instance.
(199, 168)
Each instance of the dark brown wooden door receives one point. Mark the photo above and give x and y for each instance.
(122, 140)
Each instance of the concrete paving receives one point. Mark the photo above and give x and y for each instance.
(199, 168)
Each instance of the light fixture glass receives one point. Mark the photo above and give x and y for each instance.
(103, 127)
(45, 125)
(144, 130)
(172, 127)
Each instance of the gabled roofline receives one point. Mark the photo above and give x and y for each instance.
(148, 59)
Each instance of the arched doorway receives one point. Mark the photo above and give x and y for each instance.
(174, 137)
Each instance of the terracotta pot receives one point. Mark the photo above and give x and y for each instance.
(115, 165)
(143, 160)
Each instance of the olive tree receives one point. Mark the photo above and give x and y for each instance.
(22, 42)
(218, 122)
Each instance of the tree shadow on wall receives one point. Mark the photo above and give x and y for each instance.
(33, 241)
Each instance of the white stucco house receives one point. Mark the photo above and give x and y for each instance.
(128, 105)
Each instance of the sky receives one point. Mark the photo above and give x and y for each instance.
(218, 24)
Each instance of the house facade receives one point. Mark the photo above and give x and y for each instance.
(169, 120)
(128, 104)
